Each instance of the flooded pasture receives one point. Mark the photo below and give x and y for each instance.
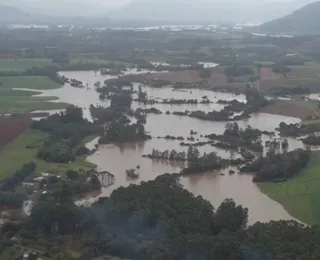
(214, 186)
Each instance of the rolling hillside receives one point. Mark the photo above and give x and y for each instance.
(205, 10)
(10, 14)
(303, 21)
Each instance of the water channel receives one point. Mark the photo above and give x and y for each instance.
(211, 185)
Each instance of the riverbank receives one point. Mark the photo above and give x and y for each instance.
(13, 100)
(300, 195)
(305, 110)
(118, 158)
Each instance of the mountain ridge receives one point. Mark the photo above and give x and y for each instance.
(12, 14)
(201, 10)
(302, 21)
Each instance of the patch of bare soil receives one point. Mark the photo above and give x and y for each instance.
(12, 127)
(190, 76)
(310, 46)
(287, 108)
(268, 74)
(266, 85)
(229, 87)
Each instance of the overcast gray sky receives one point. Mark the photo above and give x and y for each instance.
(101, 7)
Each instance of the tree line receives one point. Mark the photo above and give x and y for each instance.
(296, 130)
(278, 167)
(235, 137)
(160, 220)
(66, 130)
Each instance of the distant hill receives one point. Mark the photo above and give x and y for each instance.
(10, 14)
(66, 7)
(205, 10)
(305, 20)
(13, 15)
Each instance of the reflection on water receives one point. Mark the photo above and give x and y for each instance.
(314, 96)
(169, 93)
(216, 188)
(212, 186)
(209, 64)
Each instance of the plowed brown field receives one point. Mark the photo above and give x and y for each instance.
(268, 74)
(190, 76)
(10, 128)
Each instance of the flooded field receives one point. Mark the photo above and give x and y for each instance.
(214, 186)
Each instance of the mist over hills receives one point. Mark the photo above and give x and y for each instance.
(65, 7)
(163, 11)
(205, 10)
(12, 14)
(302, 21)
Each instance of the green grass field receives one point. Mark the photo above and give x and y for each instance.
(15, 154)
(97, 61)
(300, 196)
(31, 82)
(21, 101)
(19, 65)
(310, 104)
(11, 253)
(310, 71)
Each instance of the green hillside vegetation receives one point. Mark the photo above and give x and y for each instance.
(303, 21)
(300, 195)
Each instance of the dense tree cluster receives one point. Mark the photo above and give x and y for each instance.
(284, 91)
(238, 71)
(18, 177)
(87, 65)
(151, 110)
(278, 167)
(235, 137)
(173, 101)
(104, 115)
(296, 130)
(113, 71)
(50, 72)
(121, 100)
(67, 125)
(76, 83)
(82, 150)
(118, 127)
(281, 69)
(147, 225)
(255, 101)
(65, 188)
(171, 137)
(59, 57)
(207, 162)
(54, 150)
(123, 131)
(160, 220)
(118, 86)
(142, 95)
(67, 129)
(311, 140)
(11, 200)
(119, 83)
(172, 155)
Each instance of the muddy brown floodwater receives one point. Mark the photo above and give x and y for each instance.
(211, 185)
